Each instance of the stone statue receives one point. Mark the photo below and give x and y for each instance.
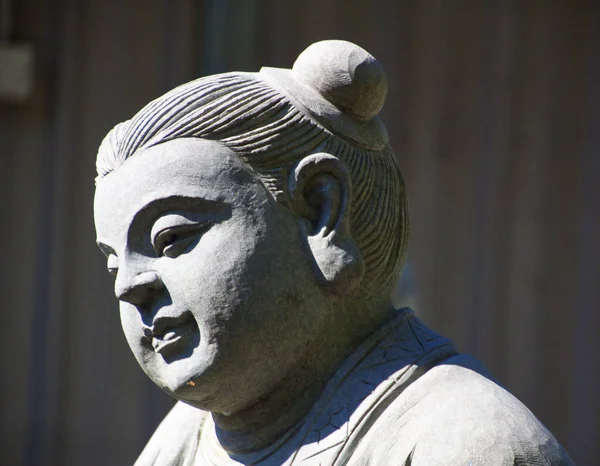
(255, 224)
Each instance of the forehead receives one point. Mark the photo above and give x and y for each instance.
(184, 167)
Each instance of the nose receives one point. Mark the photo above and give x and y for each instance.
(139, 289)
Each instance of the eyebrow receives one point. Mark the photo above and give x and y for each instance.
(150, 211)
(158, 207)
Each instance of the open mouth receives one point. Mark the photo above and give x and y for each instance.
(169, 334)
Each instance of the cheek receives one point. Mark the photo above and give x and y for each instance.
(217, 278)
(132, 326)
(227, 250)
(218, 270)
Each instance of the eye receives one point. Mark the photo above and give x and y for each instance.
(174, 240)
(112, 264)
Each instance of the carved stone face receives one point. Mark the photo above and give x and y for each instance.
(218, 299)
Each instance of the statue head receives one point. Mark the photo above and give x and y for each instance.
(246, 217)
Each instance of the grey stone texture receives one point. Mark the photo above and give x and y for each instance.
(256, 224)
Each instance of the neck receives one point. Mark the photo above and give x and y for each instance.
(270, 418)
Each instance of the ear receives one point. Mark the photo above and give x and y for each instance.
(320, 192)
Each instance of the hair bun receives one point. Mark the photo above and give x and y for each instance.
(339, 85)
(346, 75)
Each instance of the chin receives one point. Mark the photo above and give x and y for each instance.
(186, 379)
(197, 396)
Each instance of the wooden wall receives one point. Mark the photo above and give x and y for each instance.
(494, 112)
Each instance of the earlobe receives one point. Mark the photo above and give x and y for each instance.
(320, 192)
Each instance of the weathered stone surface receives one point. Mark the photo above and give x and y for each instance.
(255, 224)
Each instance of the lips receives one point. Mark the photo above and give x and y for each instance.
(168, 334)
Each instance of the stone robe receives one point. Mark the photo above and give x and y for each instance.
(403, 397)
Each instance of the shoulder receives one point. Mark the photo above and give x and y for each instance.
(457, 414)
(175, 441)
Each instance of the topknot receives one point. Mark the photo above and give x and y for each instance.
(346, 75)
(341, 86)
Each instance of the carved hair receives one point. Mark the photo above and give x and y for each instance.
(265, 129)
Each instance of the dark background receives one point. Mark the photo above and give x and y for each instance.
(493, 110)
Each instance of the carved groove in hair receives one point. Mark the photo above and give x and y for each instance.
(300, 139)
(188, 99)
(252, 105)
(199, 120)
(288, 120)
(147, 123)
(195, 110)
